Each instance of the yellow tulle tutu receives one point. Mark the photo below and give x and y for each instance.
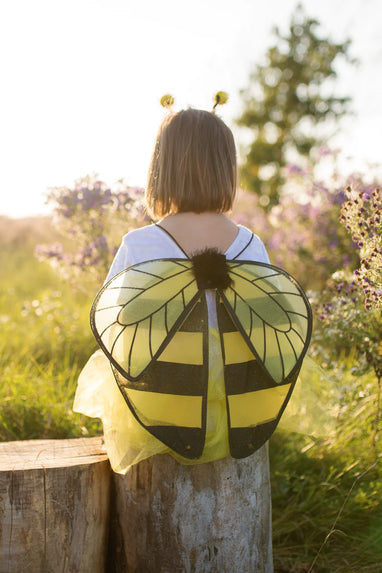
(126, 441)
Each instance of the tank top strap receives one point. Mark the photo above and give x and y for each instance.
(172, 238)
(244, 248)
(184, 252)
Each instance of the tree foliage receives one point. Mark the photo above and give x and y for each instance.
(288, 97)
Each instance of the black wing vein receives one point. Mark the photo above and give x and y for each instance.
(263, 278)
(299, 335)
(281, 356)
(124, 287)
(250, 324)
(150, 330)
(148, 274)
(108, 326)
(265, 342)
(254, 312)
(131, 347)
(165, 318)
(160, 307)
(291, 344)
(110, 307)
(116, 338)
(297, 313)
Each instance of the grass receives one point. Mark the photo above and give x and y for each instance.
(327, 490)
(326, 510)
(36, 401)
(44, 342)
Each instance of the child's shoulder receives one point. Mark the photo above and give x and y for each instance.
(148, 243)
(140, 234)
(246, 234)
(248, 245)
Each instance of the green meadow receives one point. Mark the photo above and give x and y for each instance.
(327, 489)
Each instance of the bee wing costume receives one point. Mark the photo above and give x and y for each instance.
(152, 322)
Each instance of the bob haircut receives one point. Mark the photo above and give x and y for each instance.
(193, 165)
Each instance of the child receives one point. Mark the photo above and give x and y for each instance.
(191, 186)
(200, 355)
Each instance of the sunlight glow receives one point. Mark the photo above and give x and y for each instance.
(82, 80)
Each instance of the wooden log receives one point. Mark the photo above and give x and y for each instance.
(54, 506)
(170, 518)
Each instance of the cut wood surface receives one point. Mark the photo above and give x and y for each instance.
(213, 517)
(54, 506)
(33, 454)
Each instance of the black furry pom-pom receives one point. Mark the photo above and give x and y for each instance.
(211, 269)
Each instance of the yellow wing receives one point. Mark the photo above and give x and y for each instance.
(272, 313)
(137, 312)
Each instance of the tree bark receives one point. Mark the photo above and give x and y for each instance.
(170, 518)
(54, 506)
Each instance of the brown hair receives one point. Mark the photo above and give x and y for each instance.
(193, 165)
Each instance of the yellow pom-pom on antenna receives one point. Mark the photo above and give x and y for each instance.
(167, 101)
(220, 98)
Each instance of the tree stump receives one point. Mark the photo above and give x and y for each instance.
(54, 506)
(170, 518)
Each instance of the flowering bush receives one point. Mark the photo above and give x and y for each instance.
(362, 215)
(349, 309)
(346, 328)
(302, 233)
(92, 217)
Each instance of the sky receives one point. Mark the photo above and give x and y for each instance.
(81, 81)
